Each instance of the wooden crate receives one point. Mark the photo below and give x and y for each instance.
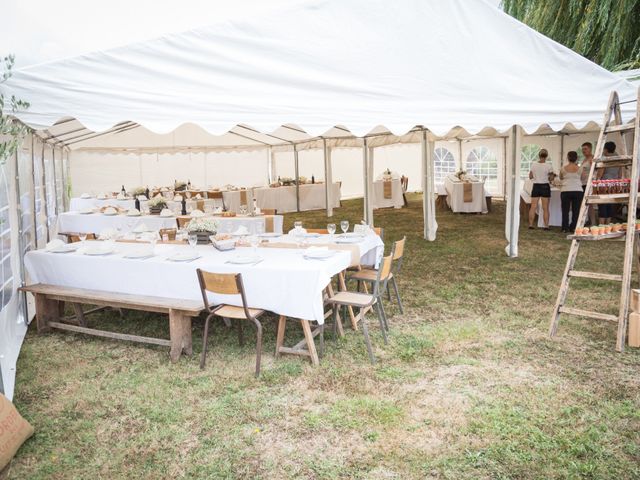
(634, 306)
(634, 329)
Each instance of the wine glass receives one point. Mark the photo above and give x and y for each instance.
(344, 226)
(193, 240)
(259, 228)
(297, 224)
(254, 241)
(83, 238)
(331, 228)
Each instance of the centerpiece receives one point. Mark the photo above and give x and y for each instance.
(156, 205)
(462, 175)
(287, 181)
(138, 191)
(387, 175)
(203, 227)
(179, 185)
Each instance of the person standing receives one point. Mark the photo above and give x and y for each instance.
(541, 173)
(571, 191)
(587, 152)
(605, 210)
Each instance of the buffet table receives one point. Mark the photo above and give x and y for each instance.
(396, 199)
(455, 196)
(555, 205)
(83, 204)
(74, 222)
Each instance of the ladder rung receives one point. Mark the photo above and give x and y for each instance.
(596, 275)
(587, 313)
(619, 128)
(608, 198)
(613, 161)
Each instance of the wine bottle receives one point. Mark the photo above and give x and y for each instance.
(313, 179)
(184, 206)
(123, 191)
(146, 193)
(136, 203)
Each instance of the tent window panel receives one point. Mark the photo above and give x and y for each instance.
(528, 155)
(445, 164)
(482, 163)
(6, 273)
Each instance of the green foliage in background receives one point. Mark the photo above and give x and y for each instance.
(605, 31)
(11, 132)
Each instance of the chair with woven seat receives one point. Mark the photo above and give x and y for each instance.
(268, 211)
(183, 221)
(169, 232)
(75, 237)
(370, 275)
(321, 231)
(228, 284)
(364, 301)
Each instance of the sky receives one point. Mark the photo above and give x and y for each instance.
(37, 31)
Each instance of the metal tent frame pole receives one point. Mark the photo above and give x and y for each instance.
(428, 187)
(297, 172)
(328, 177)
(513, 193)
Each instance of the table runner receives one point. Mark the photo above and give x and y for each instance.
(388, 189)
(243, 197)
(467, 196)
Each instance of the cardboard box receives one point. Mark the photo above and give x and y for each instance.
(634, 329)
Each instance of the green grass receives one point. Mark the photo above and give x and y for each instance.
(470, 386)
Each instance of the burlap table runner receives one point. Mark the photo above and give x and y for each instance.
(467, 189)
(353, 249)
(387, 186)
(243, 197)
(200, 205)
(268, 223)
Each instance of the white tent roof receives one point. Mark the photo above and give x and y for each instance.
(320, 63)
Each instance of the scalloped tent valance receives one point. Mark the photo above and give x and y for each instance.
(322, 63)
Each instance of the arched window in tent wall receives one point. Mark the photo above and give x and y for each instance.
(6, 273)
(528, 155)
(482, 163)
(444, 162)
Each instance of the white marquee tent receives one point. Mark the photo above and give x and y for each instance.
(322, 74)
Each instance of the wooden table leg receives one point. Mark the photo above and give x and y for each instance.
(180, 334)
(282, 324)
(343, 288)
(311, 345)
(46, 310)
(338, 318)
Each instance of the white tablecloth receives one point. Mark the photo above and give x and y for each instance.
(283, 199)
(555, 204)
(79, 204)
(73, 222)
(396, 200)
(284, 283)
(455, 197)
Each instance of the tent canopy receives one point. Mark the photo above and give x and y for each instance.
(321, 63)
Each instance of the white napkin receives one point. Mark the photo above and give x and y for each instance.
(242, 230)
(196, 214)
(297, 231)
(110, 211)
(166, 212)
(177, 198)
(149, 236)
(107, 234)
(101, 196)
(141, 227)
(218, 210)
(142, 198)
(198, 197)
(54, 244)
(134, 212)
(257, 211)
(86, 210)
(85, 196)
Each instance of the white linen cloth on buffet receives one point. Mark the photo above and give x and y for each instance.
(456, 195)
(74, 222)
(379, 200)
(80, 204)
(555, 204)
(283, 199)
(284, 281)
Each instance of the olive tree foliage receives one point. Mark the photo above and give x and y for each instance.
(11, 131)
(606, 32)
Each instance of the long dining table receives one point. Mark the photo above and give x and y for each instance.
(283, 281)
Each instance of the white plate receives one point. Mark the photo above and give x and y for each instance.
(138, 254)
(240, 234)
(94, 251)
(348, 240)
(167, 216)
(311, 235)
(70, 247)
(183, 257)
(319, 254)
(353, 235)
(269, 235)
(85, 212)
(133, 214)
(244, 259)
(110, 214)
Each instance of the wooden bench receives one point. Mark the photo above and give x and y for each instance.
(50, 298)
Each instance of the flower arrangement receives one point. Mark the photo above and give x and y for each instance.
(302, 180)
(287, 181)
(179, 185)
(139, 191)
(461, 175)
(157, 202)
(202, 224)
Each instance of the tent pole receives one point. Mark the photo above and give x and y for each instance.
(428, 188)
(33, 197)
(513, 193)
(21, 245)
(43, 179)
(460, 155)
(365, 169)
(297, 171)
(370, 185)
(270, 165)
(328, 178)
(55, 181)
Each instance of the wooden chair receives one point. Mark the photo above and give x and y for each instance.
(228, 284)
(370, 275)
(364, 301)
(218, 197)
(268, 211)
(404, 182)
(183, 221)
(170, 232)
(75, 237)
(380, 232)
(322, 231)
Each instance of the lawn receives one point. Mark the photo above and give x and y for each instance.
(470, 386)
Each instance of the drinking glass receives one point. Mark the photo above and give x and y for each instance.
(331, 228)
(344, 226)
(254, 241)
(297, 224)
(83, 238)
(259, 228)
(193, 240)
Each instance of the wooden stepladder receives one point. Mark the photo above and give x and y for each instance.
(612, 124)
